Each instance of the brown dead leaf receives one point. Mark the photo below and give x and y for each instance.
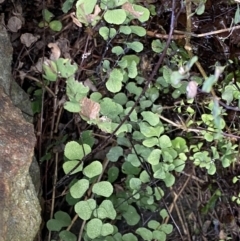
(56, 52)
(28, 39)
(38, 66)
(14, 24)
(75, 20)
(90, 85)
(91, 17)
(128, 7)
(1, 1)
(89, 108)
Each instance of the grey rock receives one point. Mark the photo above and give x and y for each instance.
(20, 216)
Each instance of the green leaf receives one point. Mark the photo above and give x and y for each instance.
(208, 83)
(228, 93)
(128, 168)
(114, 82)
(84, 209)
(129, 237)
(158, 46)
(153, 224)
(61, 219)
(110, 109)
(169, 179)
(107, 229)
(118, 50)
(74, 151)
(67, 236)
(140, 31)
(67, 5)
(107, 33)
(132, 70)
(150, 131)
(144, 13)
(108, 207)
(145, 233)
(201, 8)
(120, 98)
(167, 228)
(75, 90)
(50, 71)
(65, 68)
(154, 157)
(55, 25)
(159, 235)
(151, 118)
(131, 216)
(136, 46)
(150, 142)
(103, 188)
(94, 228)
(78, 189)
(93, 169)
(87, 6)
(237, 15)
(70, 165)
(163, 213)
(114, 153)
(47, 15)
(72, 106)
(135, 183)
(125, 30)
(144, 177)
(165, 141)
(113, 173)
(110, 16)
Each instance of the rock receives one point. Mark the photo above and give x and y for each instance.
(20, 217)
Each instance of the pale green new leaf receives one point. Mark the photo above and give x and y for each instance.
(94, 228)
(114, 82)
(75, 151)
(115, 16)
(84, 209)
(150, 117)
(78, 189)
(93, 169)
(145, 233)
(136, 46)
(70, 165)
(103, 188)
(107, 229)
(154, 157)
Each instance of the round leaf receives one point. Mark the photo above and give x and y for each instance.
(114, 83)
(131, 216)
(154, 156)
(94, 228)
(67, 236)
(79, 188)
(145, 233)
(165, 141)
(70, 165)
(150, 117)
(103, 188)
(108, 206)
(114, 153)
(115, 16)
(107, 229)
(55, 25)
(75, 151)
(84, 209)
(93, 169)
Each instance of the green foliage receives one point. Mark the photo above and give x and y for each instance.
(143, 149)
(55, 25)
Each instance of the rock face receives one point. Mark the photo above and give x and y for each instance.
(20, 217)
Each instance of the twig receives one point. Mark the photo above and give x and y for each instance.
(188, 33)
